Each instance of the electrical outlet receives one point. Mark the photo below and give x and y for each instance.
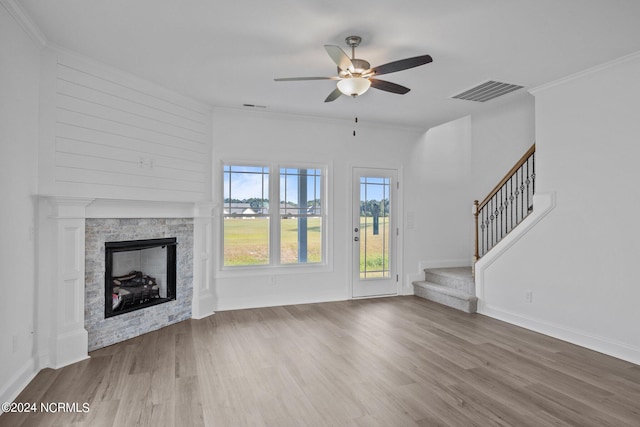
(145, 163)
(528, 296)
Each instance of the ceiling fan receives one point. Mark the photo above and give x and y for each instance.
(355, 76)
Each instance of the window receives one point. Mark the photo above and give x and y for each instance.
(246, 215)
(300, 216)
(260, 233)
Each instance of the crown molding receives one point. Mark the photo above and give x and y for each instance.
(25, 21)
(583, 73)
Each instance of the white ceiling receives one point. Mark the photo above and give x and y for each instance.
(227, 53)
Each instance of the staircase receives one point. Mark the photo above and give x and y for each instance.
(506, 205)
(453, 287)
(500, 212)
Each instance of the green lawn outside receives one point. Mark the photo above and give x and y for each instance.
(247, 243)
(374, 262)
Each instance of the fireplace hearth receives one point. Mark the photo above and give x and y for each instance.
(139, 274)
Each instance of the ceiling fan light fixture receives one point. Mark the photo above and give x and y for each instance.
(355, 76)
(354, 86)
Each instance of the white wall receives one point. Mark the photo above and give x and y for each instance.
(580, 260)
(449, 167)
(107, 134)
(500, 136)
(254, 136)
(439, 169)
(437, 199)
(19, 76)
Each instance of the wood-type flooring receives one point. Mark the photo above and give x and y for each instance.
(400, 361)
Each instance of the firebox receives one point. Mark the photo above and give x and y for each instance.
(139, 274)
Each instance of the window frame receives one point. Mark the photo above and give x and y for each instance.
(275, 217)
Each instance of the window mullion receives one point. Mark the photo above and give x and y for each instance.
(274, 215)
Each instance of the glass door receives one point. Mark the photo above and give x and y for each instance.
(374, 232)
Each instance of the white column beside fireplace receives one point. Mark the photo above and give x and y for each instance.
(62, 338)
(203, 292)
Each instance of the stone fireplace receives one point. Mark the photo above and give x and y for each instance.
(104, 330)
(71, 248)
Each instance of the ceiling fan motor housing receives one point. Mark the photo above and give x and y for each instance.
(359, 67)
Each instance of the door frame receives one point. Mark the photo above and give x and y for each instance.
(399, 240)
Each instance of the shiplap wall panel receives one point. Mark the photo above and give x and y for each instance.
(144, 93)
(92, 137)
(117, 136)
(116, 115)
(113, 152)
(128, 167)
(108, 128)
(99, 93)
(144, 183)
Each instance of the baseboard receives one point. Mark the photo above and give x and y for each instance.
(408, 288)
(70, 347)
(242, 304)
(203, 306)
(18, 382)
(71, 361)
(202, 315)
(592, 342)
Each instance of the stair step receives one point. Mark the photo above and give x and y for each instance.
(446, 295)
(454, 277)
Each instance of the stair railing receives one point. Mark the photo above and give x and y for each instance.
(506, 205)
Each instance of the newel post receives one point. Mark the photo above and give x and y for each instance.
(476, 254)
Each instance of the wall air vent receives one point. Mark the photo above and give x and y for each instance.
(487, 91)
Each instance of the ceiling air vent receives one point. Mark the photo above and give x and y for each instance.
(487, 91)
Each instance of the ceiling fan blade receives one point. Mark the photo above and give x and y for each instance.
(388, 86)
(400, 65)
(333, 95)
(295, 79)
(339, 57)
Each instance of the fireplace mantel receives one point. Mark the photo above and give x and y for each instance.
(61, 335)
(110, 208)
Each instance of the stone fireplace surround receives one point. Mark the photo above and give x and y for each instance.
(106, 331)
(71, 265)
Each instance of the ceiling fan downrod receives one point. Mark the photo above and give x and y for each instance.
(354, 42)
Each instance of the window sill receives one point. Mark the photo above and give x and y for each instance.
(261, 270)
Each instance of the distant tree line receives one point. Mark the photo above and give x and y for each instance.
(374, 208)
(257, 203)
